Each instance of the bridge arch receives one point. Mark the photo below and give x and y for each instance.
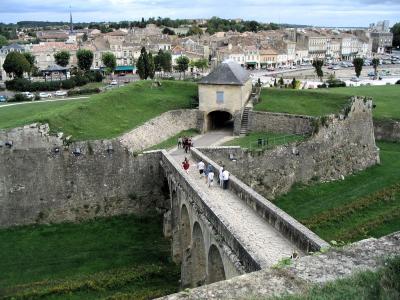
(185, 229)
(198, 256)
(219, 119)
(216, 271)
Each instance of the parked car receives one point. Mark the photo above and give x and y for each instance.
(371, 74)
(3, 98)
(270, 69)
(114, 82)
(355, 79)
(44, 95)
(61, 93)
(28, 95)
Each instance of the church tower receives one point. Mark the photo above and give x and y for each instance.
(71, 26)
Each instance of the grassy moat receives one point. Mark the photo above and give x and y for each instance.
(124, 257)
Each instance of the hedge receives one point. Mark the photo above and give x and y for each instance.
(24, 85)
(83, 91)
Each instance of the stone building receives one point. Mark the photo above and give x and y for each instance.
(223, 94)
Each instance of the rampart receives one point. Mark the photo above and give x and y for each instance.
(42, 181)
(280, 123)
(161, 128)
(387, 130)
(343, 145)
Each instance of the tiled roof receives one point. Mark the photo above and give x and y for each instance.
(227, 73)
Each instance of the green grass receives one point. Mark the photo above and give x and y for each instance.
(92, 85)
(105, 115)
(382, 284)
(363, 205)
(91, 260)
(251, 140)
(173, 141)
(326, 101)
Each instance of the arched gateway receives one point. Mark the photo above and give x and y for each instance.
(223, 94)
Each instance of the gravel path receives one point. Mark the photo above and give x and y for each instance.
(259, 238)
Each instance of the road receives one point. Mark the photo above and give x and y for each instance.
(42, 101)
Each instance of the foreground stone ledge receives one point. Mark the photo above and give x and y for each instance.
(369, 254)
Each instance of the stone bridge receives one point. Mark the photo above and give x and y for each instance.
(219, 234)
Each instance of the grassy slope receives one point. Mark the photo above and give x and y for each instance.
(325, 101)
(382, 284)
(121, 254)
(251, 140)
(365, 204)
(105, 115)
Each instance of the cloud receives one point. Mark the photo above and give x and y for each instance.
(317, 12)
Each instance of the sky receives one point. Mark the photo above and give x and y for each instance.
(308, 12)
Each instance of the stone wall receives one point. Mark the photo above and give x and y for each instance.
(387, 130)
(368, 254)
(39, 184)
(342, 146)
(280, 123)
(161, 128)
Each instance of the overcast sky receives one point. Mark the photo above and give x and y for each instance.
(310, 12)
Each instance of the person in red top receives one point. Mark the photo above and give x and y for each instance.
(185, 165)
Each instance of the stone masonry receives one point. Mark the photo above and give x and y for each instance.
(337, 263)
(343, 145)
(40, 184)
(161, 128)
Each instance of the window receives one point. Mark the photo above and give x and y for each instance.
(220, 97)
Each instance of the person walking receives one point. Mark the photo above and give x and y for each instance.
(210, 178)
(200, 167)
(221, 176)
(186, 165)
(179, 142)
(207, 171)
(225, 175)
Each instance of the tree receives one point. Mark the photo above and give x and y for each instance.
(31, 60)
(166, 62)
(281, 81)
(317, 64)
(168, 31)
(3, 41)
(143, 64)
(85, 59)
(275, 84)
(182, 64)
(375, 64)
(62, 58)
(157, 60)
(109, 61)
(396, 35)
(358, 63)
(201, 63)
(150, 66)
(16, 64)
(195, 30)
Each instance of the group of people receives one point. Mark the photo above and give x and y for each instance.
(185, 142)
(207, 171)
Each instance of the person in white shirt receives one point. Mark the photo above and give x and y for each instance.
(210, 178)
(221, 177)
(200, 167)
(225, 175)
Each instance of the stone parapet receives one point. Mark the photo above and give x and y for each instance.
(337, 263)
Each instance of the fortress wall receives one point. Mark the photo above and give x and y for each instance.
(342, 146)
(280, 123)
(40, 185)
(387, 130)
(161, 128)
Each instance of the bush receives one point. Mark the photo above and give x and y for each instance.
(322, 86)
(94, 76)
(68, 84)
(398, 81)
(81, 80)
(18, 98)
(18, 84)
(83, 91)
